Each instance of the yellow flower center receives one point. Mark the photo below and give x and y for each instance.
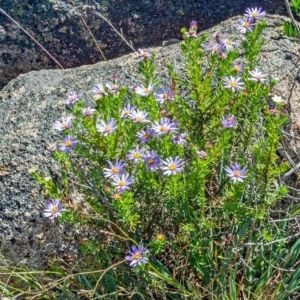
(139, 119)
(237, 174)
(172, 167)
(229, 42)
(233, 84)
(150, 161)
(117, 196)
(115, 170)
(122, 183)
(64, 125)
(254, 15)
(214, 48)
(68, 143)
(146, 91)
(166, 96)
(126, 112)
(137, 256)
(146, 135)
(136, 154)
(160, 236)
(246, 25)
(236, 68)
(54, 210)
(163, 128)
(107, 128)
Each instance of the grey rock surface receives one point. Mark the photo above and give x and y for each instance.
(31, 103)
(59, 28)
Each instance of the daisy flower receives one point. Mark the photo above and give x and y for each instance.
(255, 13)
(123, 182)
(238, 67)
(179, 139)
(53, 209)
(68, 144)
(87, 111)
(235, 173)
(136, 155)
(277, 99)
(233, 83)
(172, 166)
(108, 127)
(99, 89)
(64, 123)
(115, 169)
(229, 121)
(142, 54)
(144, 91)
(145, 136)
(152, 160)
(164, 126)
(212, 47)
(164, 94)
(126, 111)
(138, 116)
(72, 98)
(228, 44)
(257, 75)
(136, 255)
(245, 26)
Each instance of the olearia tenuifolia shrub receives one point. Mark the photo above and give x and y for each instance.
(179, 177)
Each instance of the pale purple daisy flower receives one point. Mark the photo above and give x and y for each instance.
(228, 44)
(235, 173)
(152, 160)
(172, 166)
(257, 75)
(113, 88)
(87, 111)
(127, 110)
(142, 54)
(108, 127)
(138, 116)
(144, 91)
(145, 135)
(136, 255)
(245, 26)
(229, 121)
(123, 182)
(115, 169)
(164, 126)
(64, 123)
(99, 89)
(136, 155)
(233, 83)
(68, 144)
(53, 209)
(52, 147)
(179, 139)
(72, 98)
(255, 13)
(164, 94)
(238, 67)
(212, 47)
